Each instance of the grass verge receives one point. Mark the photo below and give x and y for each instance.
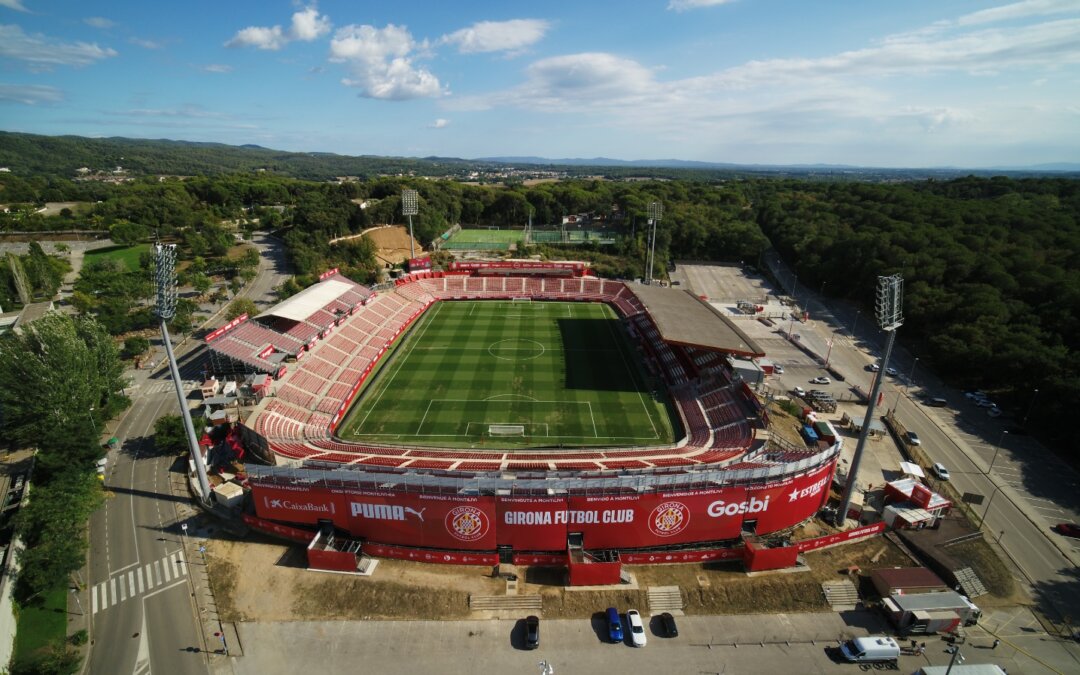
(40, 626)
(126, 255)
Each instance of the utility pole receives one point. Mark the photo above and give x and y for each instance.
(165, 280)
(410, 206)
(890, 316)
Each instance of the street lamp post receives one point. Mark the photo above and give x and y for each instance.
(911, 377)
(1031, 406)
(656, 214)
(855, 322)
(997, 489)
(410, 206)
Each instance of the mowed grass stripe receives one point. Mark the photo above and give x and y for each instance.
(563, 370)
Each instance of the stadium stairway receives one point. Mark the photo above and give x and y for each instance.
(516, 603)
(665, 599)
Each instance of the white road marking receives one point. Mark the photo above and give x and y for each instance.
(165, 570)
(138, 575)
(131, 584)
(149, 567)
(112, 591)
(94, 599)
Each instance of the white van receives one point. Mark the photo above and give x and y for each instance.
(869, 649)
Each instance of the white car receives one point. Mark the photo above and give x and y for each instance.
(913, 438)
(821, 379)
(994, 412)
(985, 403)
(798, 391)
(637, 628)
(940, 471)
(778, 369)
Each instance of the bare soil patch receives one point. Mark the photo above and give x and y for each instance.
(266, 581)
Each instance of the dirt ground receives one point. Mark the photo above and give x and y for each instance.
(392, 243)
(784, 424)
(260, 579)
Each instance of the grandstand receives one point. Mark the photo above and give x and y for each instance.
(723, 477)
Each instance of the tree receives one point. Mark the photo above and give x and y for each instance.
(58, 353)
(135, 346)
(241, 306)
(127, 233)
(200, 282)
(169, 435)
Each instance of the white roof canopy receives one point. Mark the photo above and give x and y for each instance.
(912, 469)
(308, 301)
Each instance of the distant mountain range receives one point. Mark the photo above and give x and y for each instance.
(28, 154)
(690, 164)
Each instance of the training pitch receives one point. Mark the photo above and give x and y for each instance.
(502, 374)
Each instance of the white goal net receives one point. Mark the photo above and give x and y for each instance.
(513, 300)
(506, 429)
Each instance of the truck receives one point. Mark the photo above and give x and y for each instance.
(930, 612)
(871, 649)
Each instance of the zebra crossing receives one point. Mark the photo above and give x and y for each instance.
(151, 388)
(137, 582)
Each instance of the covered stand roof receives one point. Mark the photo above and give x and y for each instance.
(683, 318)
(309, 301)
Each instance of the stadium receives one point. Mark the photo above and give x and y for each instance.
(517, 412)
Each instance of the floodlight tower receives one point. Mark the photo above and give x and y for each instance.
(889, 311)
(410, 206)
(656, 213)
(165, 280)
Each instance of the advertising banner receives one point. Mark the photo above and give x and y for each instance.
(447, 557)
(423, 263)
(532, 523)
(430, 521)
(226, 328)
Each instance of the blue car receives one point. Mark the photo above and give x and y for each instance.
(614, 625)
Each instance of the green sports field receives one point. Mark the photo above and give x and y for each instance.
(500, 374)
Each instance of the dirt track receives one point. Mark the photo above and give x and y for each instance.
(391, 242)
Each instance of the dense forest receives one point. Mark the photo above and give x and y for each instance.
(992, 265)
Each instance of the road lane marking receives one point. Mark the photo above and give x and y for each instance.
(112, 591)
(165, 588)
(149, 575)
(116, 571)
(94, 600)
(165, 570)
(138, 575)
(131, 584)
(158, 573)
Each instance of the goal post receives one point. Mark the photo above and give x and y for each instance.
(506, 429)
(525, 299)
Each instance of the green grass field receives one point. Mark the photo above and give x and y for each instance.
(499, 374)
(39, 626)
(127, 255)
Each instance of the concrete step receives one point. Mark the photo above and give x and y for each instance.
(970, 583)
(665, 599)
(841, 595)
(515, 602)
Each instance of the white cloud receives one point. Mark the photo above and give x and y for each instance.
(1019, 10)
(260, 37)
(380, 62)
(307, 25)
(30, 94)
(684, 5)
(497, 36)
(145, 44)
(439, 124)
(13, 4)
(217, 68)
(41, 52)
(99, 22)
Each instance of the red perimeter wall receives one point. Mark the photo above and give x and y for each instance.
(482, 523)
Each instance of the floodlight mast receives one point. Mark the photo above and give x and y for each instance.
(410, 206)
(656, 213)
(165, 280)
(889, 309)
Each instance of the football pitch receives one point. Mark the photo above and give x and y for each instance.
(501, 374)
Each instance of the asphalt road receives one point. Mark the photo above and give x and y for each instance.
(141, 613)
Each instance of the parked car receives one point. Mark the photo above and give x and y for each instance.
(637, 628)
(891, 371)
(873, 367)
(936, 402)
(820, 379)
(614, 625)
(940, 471)
(1068, 529)
(798, 391)
(985, 403)
(778, 369)
(668, 623)
(977, 394)
(532, 632)
(994, 411)
(913, 438)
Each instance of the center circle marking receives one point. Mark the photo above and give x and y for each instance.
(533, 349)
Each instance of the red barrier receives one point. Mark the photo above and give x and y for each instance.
(226, 328)
(840, 537)
(329, 559)
(446, 557)
(291, 533)
(682, 556)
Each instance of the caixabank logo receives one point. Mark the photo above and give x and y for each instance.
(467, 523)
(669, 519)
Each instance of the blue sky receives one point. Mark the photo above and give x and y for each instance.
(915, 83)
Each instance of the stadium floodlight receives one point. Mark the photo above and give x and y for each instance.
(165, 279)
(656, 213)
(889, 312)
(410, 206)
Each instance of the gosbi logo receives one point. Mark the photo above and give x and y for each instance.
(467, 523)
(753, 505)
(670, 518)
